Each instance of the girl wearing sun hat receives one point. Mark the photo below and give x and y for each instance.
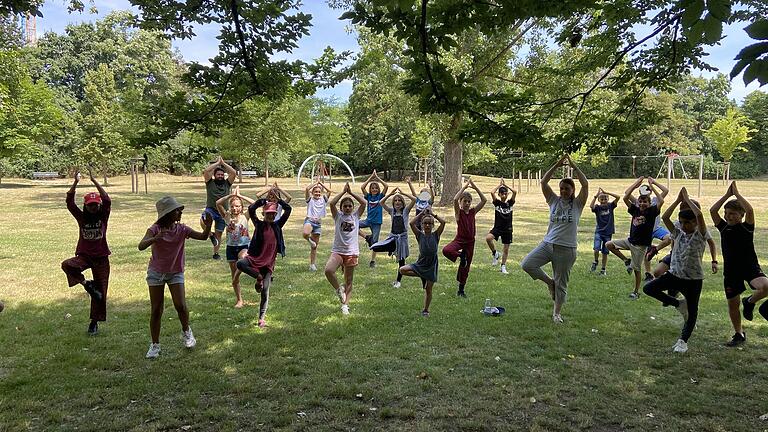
(166, 266)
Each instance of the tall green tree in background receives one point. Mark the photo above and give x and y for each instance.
(728, 134)
(755, 108)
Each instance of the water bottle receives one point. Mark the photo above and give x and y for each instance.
(487, 309)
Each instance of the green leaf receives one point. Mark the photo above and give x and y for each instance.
(713, 29)
(757, 70)
(692, 13)
(753, 51)
(720, 9)
(758, 30)
(348, 15)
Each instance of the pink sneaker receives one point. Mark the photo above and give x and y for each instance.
(262, 323)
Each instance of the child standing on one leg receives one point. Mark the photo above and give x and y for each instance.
(426, 266)
(166, 266)
(737, 231)
(397, 241)
(640, 232)
(685, 273)
(659, 233)
(312, 227)
(463, 246)
(92, 251)
(345, 250)
(604, 227)
(237, 236)
(266, 243)
(373, 219)
(502, 223)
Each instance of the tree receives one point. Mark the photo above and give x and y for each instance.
(28, 115)
(606, 32)
(728, 134)
(753, 59)
(104, 130)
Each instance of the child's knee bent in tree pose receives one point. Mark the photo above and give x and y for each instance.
(237, 234)
(166, 266)
(317, 196)
(397, 241)
(345, 250)
(373, 194)
(426, 266)
(462, 247)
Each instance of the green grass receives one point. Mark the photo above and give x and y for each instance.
(609, 368)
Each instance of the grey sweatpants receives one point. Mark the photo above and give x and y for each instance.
(562, 259)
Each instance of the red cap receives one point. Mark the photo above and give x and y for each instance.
(270, 208)
(92, 197)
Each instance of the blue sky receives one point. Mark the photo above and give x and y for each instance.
(328, 30)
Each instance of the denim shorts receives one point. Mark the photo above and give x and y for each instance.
(218, 220)
(375, 229)
(156, 278)
(234, 251)
(316, 227)
(660, 233)
(600, 241)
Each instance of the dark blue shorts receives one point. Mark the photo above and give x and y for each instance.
(234, 251)
(600, 241)
(218, 220)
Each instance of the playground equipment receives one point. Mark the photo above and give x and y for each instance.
(670, 163)
(134, 168)
(323, 169)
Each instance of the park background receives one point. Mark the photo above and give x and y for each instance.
(107, 89)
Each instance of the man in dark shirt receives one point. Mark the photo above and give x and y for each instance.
(741, 265)
(217, 186)
(502, 223)
(92, 251)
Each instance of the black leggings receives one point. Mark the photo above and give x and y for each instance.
(689, 288)
(390, 248)
(245, 266)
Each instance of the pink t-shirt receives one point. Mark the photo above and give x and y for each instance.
(168, 251)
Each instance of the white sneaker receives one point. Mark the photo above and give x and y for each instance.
(557, 319)
(345, 309)
(680, 346)
(312, 267)
(189, 338)
(154, 351)
(504, 269)
(683, 309)
(496, 257)
(396, 284)
(341, 294)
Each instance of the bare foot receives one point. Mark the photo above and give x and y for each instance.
(239, 304)
(551, 287)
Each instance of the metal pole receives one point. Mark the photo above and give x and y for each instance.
(528, 186)
(701, 172)
(669, 170)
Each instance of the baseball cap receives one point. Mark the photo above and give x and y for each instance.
(92, 197)
(270, 208)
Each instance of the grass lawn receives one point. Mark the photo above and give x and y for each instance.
(384, 367)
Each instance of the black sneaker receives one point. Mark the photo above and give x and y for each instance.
(648, 277)
(749, 309)
(736, 340)
(461, 293)
(628, 265)
(93, 328)
(594, 267)
(369, 240)
(90, 288)
(216, 256)
(372, 264)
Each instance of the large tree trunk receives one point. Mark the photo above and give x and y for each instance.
(453, 157)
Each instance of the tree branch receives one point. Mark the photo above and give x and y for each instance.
(509, 46)
(241, 39)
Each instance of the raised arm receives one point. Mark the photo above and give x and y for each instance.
(208, 171)
(412, 198)
(594, 198)
(545, 188)
(220, 206)
(439, 230)
(496, 189)
(410, 185)
(456, 207)
(383, 201)
(71, 205)
(362, 204)
(628, 198)
(98, 186)
(483, 199)
(714, 211)
(667, 216)
(414, 223)
(750, 212)
(231, 172)
(702, 224)
(263, 191)
(287, 210)
(584, 192)
(335, 201)
(286, 196)
(384, 185)
(664, 190)
(364, 186)
(616, 197)
(659, 196)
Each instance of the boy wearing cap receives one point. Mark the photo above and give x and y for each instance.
(502, 223)
(640, 232)
(92, 251)
(266, 243)
(166, 266)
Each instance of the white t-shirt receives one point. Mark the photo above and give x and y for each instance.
(316, 207)
(345, 237)
(563, 221)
